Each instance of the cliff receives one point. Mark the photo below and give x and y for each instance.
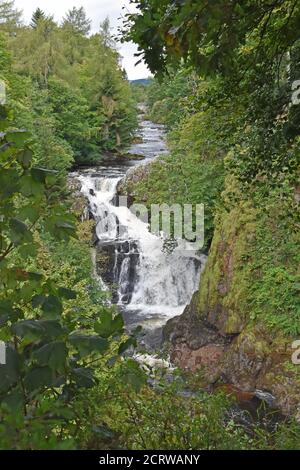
(240, 325)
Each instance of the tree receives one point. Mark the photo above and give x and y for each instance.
(105, 32)
(39, 51)
(37, 16)
(10, 17)
(221, 36)
(77, 19)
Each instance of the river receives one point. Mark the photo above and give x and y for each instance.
(150, 285)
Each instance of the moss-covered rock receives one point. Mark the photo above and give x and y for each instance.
(240, 326)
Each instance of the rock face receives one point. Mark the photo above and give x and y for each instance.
(79, 202)
(133, 176)
(216, 334)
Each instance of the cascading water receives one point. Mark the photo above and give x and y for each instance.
(152, 284)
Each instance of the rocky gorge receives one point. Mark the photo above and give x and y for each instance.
(217, 334)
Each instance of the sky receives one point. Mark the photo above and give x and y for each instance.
(97, 11)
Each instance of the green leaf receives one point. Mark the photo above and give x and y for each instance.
(30, 212)
(25, 158)
(53, 354)
(84, 377)
(6, 307)
(52, 306)
(38, 300)
(31, 329)
(59, 228)
(14, 400)
(30, 187)
(133, 375)
(87, 344)
(109, 325)
(8, 312)
(126, 345)
(18, 138)
(67, 293)
(19, 232)
(39, 377)
(27, 250)
(9, 182)
(40, 174)
(52, 328)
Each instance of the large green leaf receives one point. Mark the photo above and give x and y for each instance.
(8, 312)
(50, 304)
(40, 174)
(108, 325)
(29, 187)
(130, 342)
(88, 344)
(52, 328)
(25, 157)
(17, 138)
(53, 354)
(9, 182)
(19, 232)
(133, 375)
(31, 329)
(39, 377)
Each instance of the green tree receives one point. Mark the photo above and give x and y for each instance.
(37, 16)
(10, 17)
(77, 19)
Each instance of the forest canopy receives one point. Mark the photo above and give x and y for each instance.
(67, 85)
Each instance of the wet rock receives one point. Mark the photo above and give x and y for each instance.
(193, 360)
(187, 328)
(216, 334)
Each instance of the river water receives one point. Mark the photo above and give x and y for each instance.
(150, 285)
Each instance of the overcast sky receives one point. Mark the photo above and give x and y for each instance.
(97, 11)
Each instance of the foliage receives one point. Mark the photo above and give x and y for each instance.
(72, 92)
(38, 15)
(213, 37)
(78, 21)
(54, 335)
(168, 416)
(10, 17)
(247, 55)
(172, 98)
(274, 291)
(225, 98)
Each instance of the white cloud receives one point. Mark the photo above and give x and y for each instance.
(97, 10)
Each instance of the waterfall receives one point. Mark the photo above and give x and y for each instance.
(147, 277)
(151, 284)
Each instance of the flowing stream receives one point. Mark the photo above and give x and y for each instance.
(150, 285)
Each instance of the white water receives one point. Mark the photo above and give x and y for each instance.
(152, 284)
(164, 282)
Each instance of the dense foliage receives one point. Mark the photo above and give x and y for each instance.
(239, 113)
(70, 88)
(66, 382)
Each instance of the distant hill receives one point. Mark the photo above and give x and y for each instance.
(141, 81)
